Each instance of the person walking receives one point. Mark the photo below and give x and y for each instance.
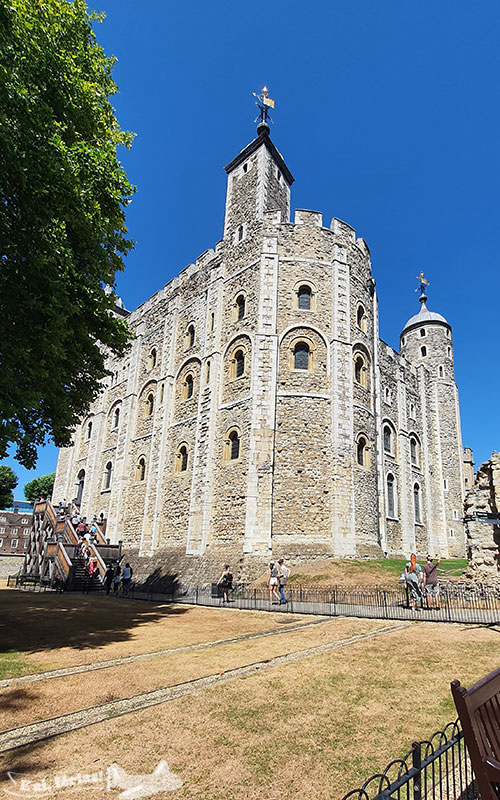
(283, 573)
(126, 578)
(116, 579)
(413, 579)
(226, 582)
(108, 578)
(272, 581)
(431, 583)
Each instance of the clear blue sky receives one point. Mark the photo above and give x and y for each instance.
(387, 115)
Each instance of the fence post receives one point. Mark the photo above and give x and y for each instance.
(417, 765)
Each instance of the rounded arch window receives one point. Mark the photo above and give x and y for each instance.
(232, 445)
(188, 386)
(362, 451)
(239, 363)
(149, 405)
(391, 496)
(361, 318)
(414, 454)
(116, 417)
(108, 470)
(80, 483)
(417, 503)
(140, 470)
(388, 436)
(304, 297)
(152, 359)
(89, 430)
(423, 351)
(301, 356)
(207, 372)
(422, 331)
(190, 336)
(360, 370)
(240, 306)
(181, 459)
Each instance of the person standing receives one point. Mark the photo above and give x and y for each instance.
(431, 583)
(116, 579)
(226, 583)
(108, 578)
(283, 573)
(272, 581)
(126, 578)
(413, 578)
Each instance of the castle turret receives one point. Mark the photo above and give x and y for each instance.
(426, 342)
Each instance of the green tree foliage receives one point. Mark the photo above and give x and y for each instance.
(62, 221)
(39, 487)
(8, 481)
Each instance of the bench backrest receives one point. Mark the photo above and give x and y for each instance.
(479, 712)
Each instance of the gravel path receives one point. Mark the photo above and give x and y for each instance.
(35, 732)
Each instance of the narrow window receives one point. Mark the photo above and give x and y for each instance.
(150, 403)
(361, 318)
(183, 453)
(190, 336)
(423, 351)
(234, 443)
(240, 303)
(141, 470)
(422, 331)
(212, 321)
(240, 233)
(359, 370)
(278, 175)
(360, 451)
(390, 496)
(245, 167)
(387, 439)
(301, 356)
(207, 373)
(89, 430)
(14, 543)
(152, 359)
(448, 350)
(403, 341)
(441, 373)
(162, 392)
(239, 359)
(304, 298)
(107, 475)
(416, 503)
(412, 410)
(413, 452)
(189, 386)
(116, 417)
(452, 533)
(445, 484)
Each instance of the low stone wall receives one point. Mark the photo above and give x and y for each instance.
(10, 565)
(483, 539)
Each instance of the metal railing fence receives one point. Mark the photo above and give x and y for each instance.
(436, 769)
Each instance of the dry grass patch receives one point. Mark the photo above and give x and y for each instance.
(52, 631)
(309, 729)
(33, 702)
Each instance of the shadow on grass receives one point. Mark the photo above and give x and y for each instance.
(31, 621)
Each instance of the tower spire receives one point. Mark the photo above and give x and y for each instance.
(263, 103)
(423, 283)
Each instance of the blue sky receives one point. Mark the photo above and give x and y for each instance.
(387, 115)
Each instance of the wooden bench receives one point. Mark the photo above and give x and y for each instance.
(479, 713)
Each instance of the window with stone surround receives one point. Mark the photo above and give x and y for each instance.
(190, 336)
(360, 369)
(89, 430)
(361, 318)
(149, 405)
(422, 331)
(301, 356)
(362, 451)
(305, 296)
(239, 307)
(140, 470)
(423, 351)
(389, 439)
(440, 372)
(116, 418)
(207, 373)
(152, 359)
(417, 503)
(108, 471)
(238, 359)
(414, 451)
(181, 458)
(391, 496)
(232, 445)
(412, 410)
(188, 386)
(14, 543)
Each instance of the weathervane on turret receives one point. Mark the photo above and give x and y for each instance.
(423, 283)
(263, 103)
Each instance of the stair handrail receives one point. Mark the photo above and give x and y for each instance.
(100, 563)
(65, 562)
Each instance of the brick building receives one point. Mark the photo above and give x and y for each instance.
(258, 410)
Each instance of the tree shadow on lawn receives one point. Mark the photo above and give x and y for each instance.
(36, 621)
(19, 761)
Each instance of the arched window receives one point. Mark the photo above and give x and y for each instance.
(360, 371)
(240, 233)
(413, 452)
(301, 354)
(387, 439)
(80, 483)
(304, 297)
(416, 503)
(152, 359)
(234, 440)
(422, 331)
(107, 475)
(140, 470)
(89, 430)
(116, 417)
(207, 373)
(240, 306)
(239, 363)
(190, 336)
(181, 459)
(150, 404)
(361, 319)
(189, 386)
(162, 392)
(423, 351)
(448, 350)
(361, 451)
(441, 372)
(391, 506)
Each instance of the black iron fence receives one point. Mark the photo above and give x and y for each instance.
(437, 769)
(458, 603)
